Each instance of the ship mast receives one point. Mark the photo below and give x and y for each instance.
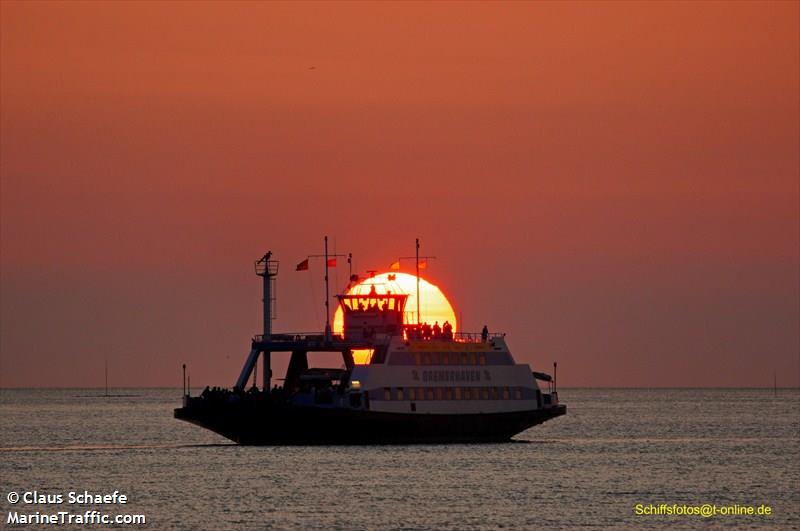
(267, 269)
(417, 262)
(327, 297)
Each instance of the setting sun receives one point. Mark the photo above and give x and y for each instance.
(434, 306)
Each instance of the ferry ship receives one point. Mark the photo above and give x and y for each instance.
(414, 386)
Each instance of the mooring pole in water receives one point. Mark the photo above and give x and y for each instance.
(184, 379)
(555, 376)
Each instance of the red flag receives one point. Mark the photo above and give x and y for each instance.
(302, 266)
(423, 264)
(331, 262)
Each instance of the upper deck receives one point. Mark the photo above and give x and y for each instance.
(399, 349)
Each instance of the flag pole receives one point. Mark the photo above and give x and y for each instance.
(417, 258)
(327, 305)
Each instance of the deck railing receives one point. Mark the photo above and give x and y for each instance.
(461, 337)
(477, 337)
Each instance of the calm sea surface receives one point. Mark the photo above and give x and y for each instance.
(613, 450)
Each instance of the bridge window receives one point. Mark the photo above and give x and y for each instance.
(400, 394)
(458, 393)
(412, 394)
(506, 394)
(387, 393)
(517, 393)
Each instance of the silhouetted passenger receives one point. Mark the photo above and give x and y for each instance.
(485, 334)
(426, 331)
(447, 330)
(437, 330)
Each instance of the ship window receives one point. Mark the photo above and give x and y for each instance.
(449, 393)
(454, 358)
(378, 356)
(485, 393)
(458, 393)
(412, 394)
(483, 359)
(517, 393)
(417, 360)
(400, 394)
(387, 393)
(493, 390)
(472, 358)
(506, 394)
(445, 358)
(429, 393)
(426, 359)
(439, 392)
(464, 360)
(421, 393)
(467, 393)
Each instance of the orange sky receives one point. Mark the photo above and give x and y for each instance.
(615, 185)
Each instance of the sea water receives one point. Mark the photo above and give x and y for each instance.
(618, 459)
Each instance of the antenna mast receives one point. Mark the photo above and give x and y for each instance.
(327, 297)
(267, 269)
(417, 261)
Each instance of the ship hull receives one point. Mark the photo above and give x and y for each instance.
(254, 424)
